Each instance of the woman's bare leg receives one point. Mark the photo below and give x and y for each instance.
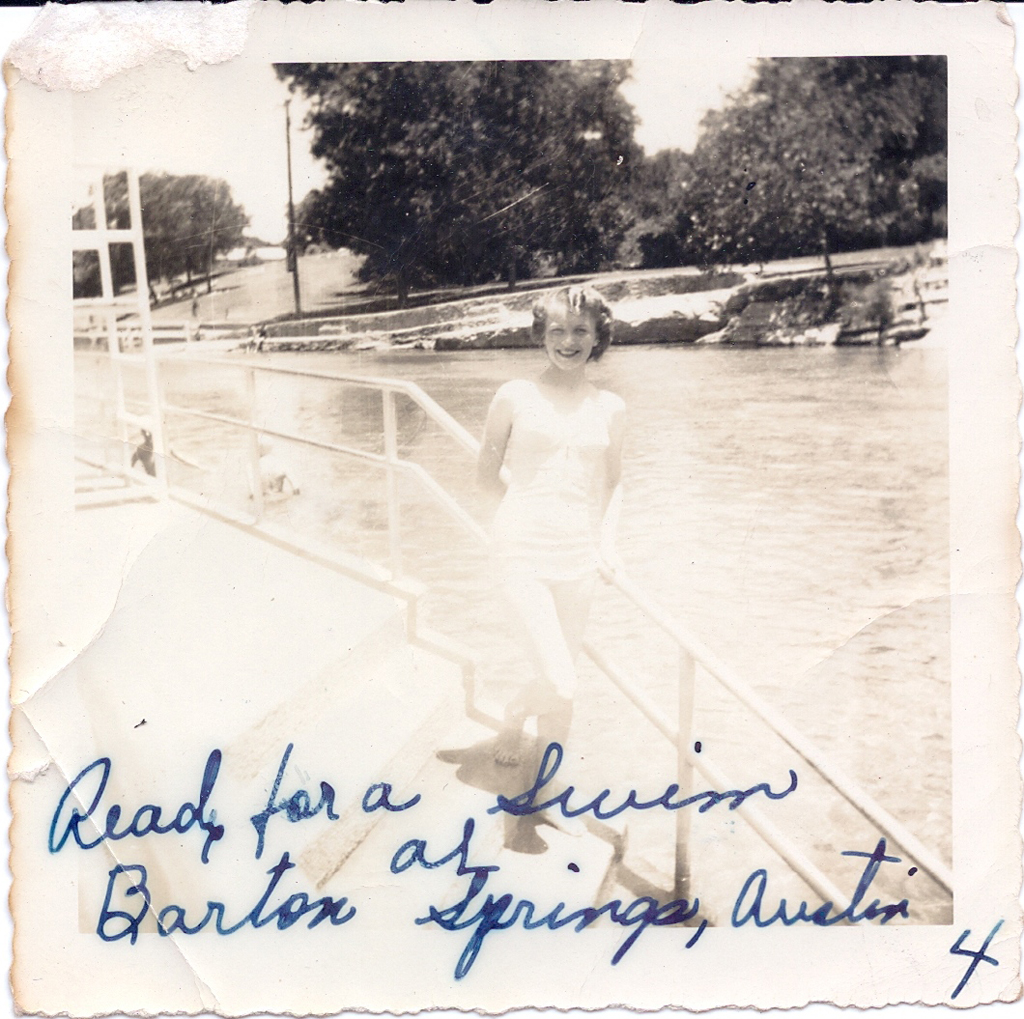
(572, 604)
(551, 619)
(535, 618)
(509, 748)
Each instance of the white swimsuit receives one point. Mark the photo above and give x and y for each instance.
(548, 524)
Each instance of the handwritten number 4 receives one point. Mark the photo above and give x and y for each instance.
(975, 957)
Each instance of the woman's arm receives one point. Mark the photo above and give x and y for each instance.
(616, 435)
(493, 446)
(613, 489)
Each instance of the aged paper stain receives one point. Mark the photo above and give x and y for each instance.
(81, 47)
(243, 716)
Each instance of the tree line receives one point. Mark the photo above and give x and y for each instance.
(816, 155)
(187, 221)
(463, 173)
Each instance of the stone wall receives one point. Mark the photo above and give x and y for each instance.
(885, 301)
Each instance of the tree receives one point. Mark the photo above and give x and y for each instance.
(659, 221)
(311, 218)
(822, 154)
(186, 222)
(459, 173)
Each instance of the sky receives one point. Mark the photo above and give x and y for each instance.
(227, 121)
(670, 99)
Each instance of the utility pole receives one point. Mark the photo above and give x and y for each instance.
(293, 251)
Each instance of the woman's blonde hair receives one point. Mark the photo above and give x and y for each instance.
(580, 301)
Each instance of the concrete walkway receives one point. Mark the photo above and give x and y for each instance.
(195, 637)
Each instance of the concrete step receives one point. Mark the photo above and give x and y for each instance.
(113, 496)
(91, 485)
(401, 765)
(458, 781)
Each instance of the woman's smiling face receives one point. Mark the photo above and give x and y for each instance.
(569, 338)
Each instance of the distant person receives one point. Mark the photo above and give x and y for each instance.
(144, 453)
(560, 439)
(275, 480)
(195, 305)
(257, 334)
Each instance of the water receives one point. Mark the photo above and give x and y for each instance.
(790, 507)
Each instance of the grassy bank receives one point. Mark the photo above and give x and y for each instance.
(886, 296)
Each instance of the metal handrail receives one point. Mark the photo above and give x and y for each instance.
(691, 650)
(769, 832)
(833, 775)
(381, 460)
(689, 645)
(431, 407)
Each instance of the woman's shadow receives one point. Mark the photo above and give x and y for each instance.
(477, 766)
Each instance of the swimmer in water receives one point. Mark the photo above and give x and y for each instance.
(275, 479)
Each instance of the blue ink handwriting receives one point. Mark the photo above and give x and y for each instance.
(296, 808)
(820, 916)
(382, 792)
(147, 818)
(299, 806)
(975, 957)
(172, 918)
(500, 914)
(526, 802)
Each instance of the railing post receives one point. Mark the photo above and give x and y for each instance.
(254, 446)
(138, 243)
(391, 455)
(684, 772)
(120, 407)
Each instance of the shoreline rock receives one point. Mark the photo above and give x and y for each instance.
(885, 303)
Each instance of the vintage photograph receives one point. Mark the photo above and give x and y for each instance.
(512, 504)
(714, 376)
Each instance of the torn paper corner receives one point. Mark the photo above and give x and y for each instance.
(79, 47)
(30, 774)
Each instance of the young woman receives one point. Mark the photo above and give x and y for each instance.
(560, 440)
